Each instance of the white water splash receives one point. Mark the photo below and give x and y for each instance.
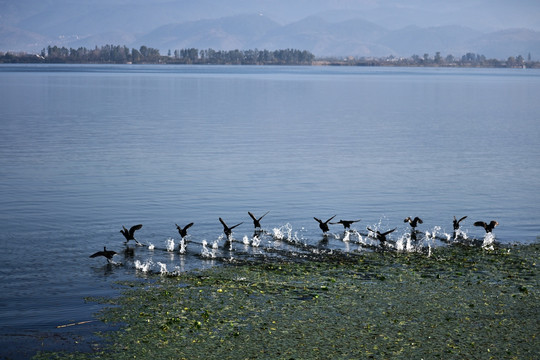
(170, 244)
(151, 246)
(372, 237)
(433, 234)
(144, 267)
(460, 235)
(162, 268)
(283, 233)
(205, 252)
(182, 247)
(431, 240)
(489, 239)
(256, 241)
(176, 272)
(354, 236)
(361, 240)
(399, 244)
(245, 240)
(405, 243)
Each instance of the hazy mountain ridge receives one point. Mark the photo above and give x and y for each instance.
(327, 33)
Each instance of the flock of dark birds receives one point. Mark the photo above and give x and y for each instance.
(323, 225)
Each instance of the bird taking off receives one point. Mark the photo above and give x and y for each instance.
(346, 223)
(257, 221)
(228, 230)
(105, 253)
(324, 225)
(413, 222)
(488, 227)
(130, 235)
(456, 222)
(183, 232)
(381, 236)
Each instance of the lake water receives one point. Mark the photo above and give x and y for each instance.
(87, 149)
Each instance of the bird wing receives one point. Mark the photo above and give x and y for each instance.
(480, 223)
(418, 220)
(134, 228)
(388, 232)
(370, 230)
(330, 218)
(223, 223)
(252, 216)
(319, 220)
(460, 220)
(125, 232)
(263, 215)
(188, 226)
(99, 253)
(232, 227)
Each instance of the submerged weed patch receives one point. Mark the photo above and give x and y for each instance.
(457, 303)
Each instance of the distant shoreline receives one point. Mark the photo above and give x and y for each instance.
(319, 63)
(535, 65)
(115, 54)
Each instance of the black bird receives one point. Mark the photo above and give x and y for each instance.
(456, 226)
(413, 222)
(456, 222)
(183, 232)
(324, 225)
(381, 236)
(488, 227)
(106, 253)
(346, 223)
(129, 235)
(228, 230)
(257, 222)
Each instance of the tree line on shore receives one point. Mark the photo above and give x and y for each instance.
(113, 54)
(116, 54)
(467, 60)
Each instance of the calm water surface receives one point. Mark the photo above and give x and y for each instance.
(87, 149)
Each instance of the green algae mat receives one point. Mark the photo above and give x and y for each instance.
(457, 303)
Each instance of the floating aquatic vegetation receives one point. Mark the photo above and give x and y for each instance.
(461, 302)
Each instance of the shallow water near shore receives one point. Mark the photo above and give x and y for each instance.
(87, 149)
(460, 302)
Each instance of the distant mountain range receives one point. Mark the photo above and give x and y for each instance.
(329, 33)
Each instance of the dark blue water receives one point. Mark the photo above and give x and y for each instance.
(87, 149)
